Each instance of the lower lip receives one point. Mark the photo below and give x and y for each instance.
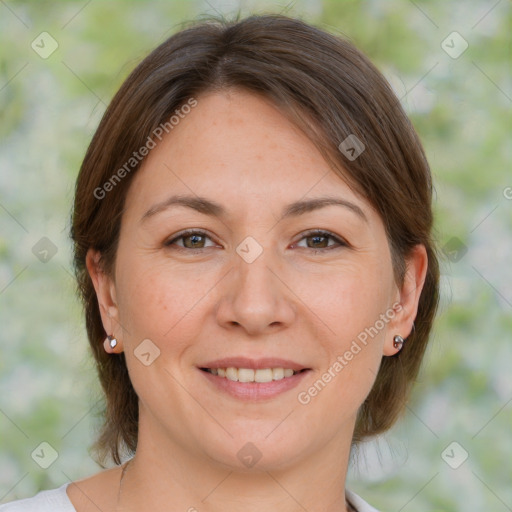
(252, 391)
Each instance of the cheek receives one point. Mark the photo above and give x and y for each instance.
(355, 325)
(352, 340)
(157, 301)
(163, 306)
(349, 300)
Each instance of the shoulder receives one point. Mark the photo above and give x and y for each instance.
(87, 495)
(55, 500)
(358, 503)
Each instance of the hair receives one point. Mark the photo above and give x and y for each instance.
(330, 90)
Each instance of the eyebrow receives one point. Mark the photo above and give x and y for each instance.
(208, 207)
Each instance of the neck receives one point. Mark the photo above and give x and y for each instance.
(163, 474)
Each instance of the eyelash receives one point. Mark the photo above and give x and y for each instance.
(308, 234)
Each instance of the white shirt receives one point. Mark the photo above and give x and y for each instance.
(56, 500)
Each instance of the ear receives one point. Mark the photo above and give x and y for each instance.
(106, 294)
(407, 297)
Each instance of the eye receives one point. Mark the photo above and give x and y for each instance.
(195, 239)
(192, 239)
(320, 240)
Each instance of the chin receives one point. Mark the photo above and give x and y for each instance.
(265, 449)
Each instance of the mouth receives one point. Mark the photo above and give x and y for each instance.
(260, 375)
(253, 379)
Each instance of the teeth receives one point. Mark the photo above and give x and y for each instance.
(251, 375)
(232, 374)
(278, 373)
(245, 375)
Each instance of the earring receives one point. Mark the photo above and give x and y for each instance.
(111, 341)
(398, 342)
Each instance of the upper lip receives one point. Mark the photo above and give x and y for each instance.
(255, 364)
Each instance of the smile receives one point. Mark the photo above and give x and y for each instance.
(252, 375)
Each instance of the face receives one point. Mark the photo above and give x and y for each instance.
(255, 283)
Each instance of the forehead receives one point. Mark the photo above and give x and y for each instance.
(235, 144)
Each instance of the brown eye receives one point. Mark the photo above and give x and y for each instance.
(190, 240)
(320, 240)
(195, 241)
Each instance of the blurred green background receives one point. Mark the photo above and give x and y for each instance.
(461, 107)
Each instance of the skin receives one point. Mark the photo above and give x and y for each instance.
(298, 300)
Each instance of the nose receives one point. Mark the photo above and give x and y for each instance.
(256, 297)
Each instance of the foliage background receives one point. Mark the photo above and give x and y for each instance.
(462, 111)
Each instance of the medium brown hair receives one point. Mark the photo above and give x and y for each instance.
(330, 90)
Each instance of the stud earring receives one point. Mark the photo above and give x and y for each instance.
(111, 341)
(398, 342)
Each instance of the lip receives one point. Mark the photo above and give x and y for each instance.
(254, 391)
(254, 364)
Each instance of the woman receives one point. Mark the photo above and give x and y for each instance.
(252, 232)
